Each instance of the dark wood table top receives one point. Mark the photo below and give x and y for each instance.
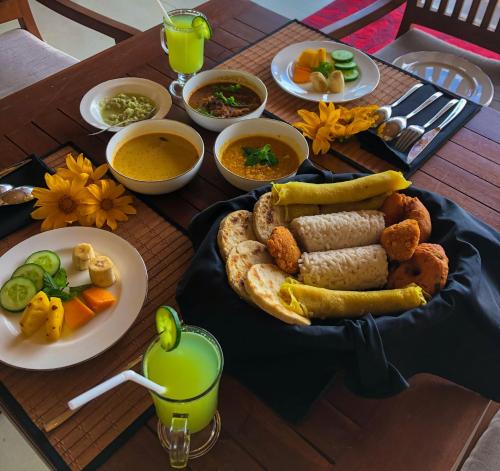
(430, 426)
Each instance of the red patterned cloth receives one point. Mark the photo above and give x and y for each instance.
(380, 33)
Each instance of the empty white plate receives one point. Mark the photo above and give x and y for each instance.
(106, 328)
(282, 71)
(90, 104)
(450, 72)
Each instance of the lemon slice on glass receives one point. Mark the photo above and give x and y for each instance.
(203, 27)
(169, 327)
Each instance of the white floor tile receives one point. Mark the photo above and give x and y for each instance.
(15, 452)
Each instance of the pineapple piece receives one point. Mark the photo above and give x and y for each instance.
(34, 314)
(308, 58)
(322, 55)
(55, 318)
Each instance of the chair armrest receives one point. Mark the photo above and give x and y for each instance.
(363, 17)
(114, 29)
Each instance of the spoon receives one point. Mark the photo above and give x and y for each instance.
(5, 187)
(393, 126)
(385, 112)
(17, 195)
(126, 121)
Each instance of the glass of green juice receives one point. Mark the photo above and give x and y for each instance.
(183, 39)
(187, 412)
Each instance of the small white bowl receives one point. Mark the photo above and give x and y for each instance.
(156, 187)
(90, 104)
(222, 75)
(262, 127)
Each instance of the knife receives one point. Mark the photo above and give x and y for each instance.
(427, 138)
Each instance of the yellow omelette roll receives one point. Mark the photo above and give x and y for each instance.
(341, 192)
(310, 301)
(293, 211)
(375, 202)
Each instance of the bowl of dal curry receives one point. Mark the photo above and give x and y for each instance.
(259, 151)
(155, 157)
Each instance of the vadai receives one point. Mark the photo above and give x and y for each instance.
(394, 208)
(414, 209)
(400, 240)
(284, 249)
(428, 268)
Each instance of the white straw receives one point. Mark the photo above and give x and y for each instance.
(164, 11)
(127, 375)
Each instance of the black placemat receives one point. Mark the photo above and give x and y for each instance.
(14, 217)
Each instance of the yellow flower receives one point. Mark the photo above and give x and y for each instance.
(318, 126)
(105, 204)
(59, 204)
(81, 165)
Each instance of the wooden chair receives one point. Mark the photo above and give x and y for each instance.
(26, 59)
(453, 17)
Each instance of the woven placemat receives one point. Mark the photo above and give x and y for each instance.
(43, 395)
(257, 60)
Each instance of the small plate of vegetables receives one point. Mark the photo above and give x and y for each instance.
(325, 71)
(124, 100)
(67, 295)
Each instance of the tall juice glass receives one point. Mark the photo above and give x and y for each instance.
(184, 46)
(191, 373)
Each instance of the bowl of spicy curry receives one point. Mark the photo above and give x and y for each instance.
(216, 99)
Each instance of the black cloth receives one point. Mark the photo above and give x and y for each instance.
(14, 217)
(456, 335)
(386, 150)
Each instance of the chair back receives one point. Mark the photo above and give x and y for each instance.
(471, 20)
(19, 10)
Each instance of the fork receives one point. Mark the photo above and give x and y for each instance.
(413, 132)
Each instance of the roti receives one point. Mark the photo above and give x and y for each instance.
(240, 260)
(266, 217)
(236, 227)
(262, 284)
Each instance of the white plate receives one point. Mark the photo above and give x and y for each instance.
(89, 106)
(450, 72)
(282, 70)
(130, 289)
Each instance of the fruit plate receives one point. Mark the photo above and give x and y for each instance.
(130, 289)
(282, 70)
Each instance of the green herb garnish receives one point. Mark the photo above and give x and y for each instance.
(204, 111)
(262, 156)
(57, 286)
(325, 68)
(232, 87)
(230, 101)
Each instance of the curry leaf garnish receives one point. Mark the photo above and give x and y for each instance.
(262, 156)
(204, 111)
(230, 101)
(232, 87)
(325, 68)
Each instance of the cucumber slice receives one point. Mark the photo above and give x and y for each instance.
(169, 327)
(202, 26)
(31, 271)
(16, 293)
(47, 259)
(341, 55)
(351, 74)
(345, 65)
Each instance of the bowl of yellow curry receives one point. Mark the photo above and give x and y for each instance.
(156, 156)
(258, 151)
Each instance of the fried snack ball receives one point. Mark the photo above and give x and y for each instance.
(415, 209)
(284, 249)
(428, 268)
(400, 240)
(394, 208)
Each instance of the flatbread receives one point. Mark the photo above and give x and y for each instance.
(240, 260)
(236, 227)
(266, 217)
(262, 284)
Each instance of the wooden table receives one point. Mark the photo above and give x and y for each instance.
(431, 426)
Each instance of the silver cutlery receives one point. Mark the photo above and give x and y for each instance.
(394, 126)
(14, 167)
(5, 187)
(385, 112)
(17, 195)
(427, 138)
(413, 132)
(122, 123)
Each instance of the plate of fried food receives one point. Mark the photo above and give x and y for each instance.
(311, 251)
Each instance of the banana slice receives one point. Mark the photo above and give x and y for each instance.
(82, 255)
(101, 271)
